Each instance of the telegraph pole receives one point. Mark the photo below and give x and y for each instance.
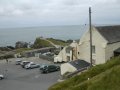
(90, 29)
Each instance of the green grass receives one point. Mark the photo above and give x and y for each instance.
(102, 77)
(40, 43)
(58, 42)
(108, 80)
(20, 50)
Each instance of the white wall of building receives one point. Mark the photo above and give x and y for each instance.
(67, 68)
(110, 50)
(63, 55)
(98, 41)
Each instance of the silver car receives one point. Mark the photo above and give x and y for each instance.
(18, 62)
(32, 65)
(1, 76)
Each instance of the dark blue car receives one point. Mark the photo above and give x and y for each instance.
(49, 68)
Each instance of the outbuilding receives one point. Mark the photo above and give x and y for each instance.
(117, 52)
(74, 66)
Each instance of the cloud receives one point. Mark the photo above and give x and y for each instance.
(19, 7)
(46, 5)
(58, 11)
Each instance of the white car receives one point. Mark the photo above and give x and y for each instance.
(1, 76)
(32, 65)
(18, 62)
(23, 63)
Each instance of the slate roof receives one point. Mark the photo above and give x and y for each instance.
(79, 64)
(110, 33)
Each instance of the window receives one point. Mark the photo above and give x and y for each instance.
(68, 58)
(67, 51)
(78, 52)
(93, 49)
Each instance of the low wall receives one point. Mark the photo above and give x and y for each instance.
(46, 57)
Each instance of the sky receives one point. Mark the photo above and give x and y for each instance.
(28, 13)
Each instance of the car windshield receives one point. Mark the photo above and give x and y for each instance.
(42, 66)
(33, 64)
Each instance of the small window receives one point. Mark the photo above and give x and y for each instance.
(78, 52)
(68, 58)
(93, 49)
(67, 51)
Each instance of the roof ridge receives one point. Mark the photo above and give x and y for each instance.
(110, 33)
(107, 26)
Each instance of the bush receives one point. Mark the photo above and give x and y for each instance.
(7, 56)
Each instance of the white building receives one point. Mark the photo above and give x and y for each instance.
(68, 53)
(73, 66)
(105, 45)
(105, 40)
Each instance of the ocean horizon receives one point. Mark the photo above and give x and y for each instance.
(9, 36)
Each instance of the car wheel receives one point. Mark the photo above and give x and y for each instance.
(1, 78)
(41, 71)
(57, 69)
(47, 71)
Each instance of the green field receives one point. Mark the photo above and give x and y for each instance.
(20, 50)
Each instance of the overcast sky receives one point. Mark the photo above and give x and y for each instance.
(25, 13)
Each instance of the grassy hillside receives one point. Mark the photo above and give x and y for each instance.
(40, 43)
(58, 42)
(20, 50)
(101, 77)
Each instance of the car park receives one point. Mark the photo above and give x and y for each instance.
(15, 76)
(1, 76)
(32, 65)
(17, 62)
(23, 63)
(49, 68)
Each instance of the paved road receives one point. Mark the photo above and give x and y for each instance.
(18, 78)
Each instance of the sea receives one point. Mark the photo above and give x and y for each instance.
(9, 36)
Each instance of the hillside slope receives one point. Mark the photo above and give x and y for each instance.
(101, 77)
(49, 42)
(58, 42)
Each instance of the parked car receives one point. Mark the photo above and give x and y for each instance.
(18, 62)
(23, 63)
(32, 65)
(1, 76)
(49, 68)
(42, 66)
